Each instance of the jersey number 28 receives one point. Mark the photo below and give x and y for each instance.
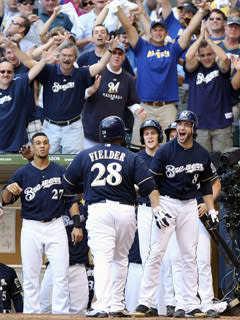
(113, 177)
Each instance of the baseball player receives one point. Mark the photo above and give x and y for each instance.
(178, 167)
(109, 173)
(11, 289)
(77, 280)
(151, 135)
(39, 185)
(173, 262)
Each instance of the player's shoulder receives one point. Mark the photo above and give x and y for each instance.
(6, 269)
(56, 166)
(25, 169)
(198, 147)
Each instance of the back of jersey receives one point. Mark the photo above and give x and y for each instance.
(108, 171)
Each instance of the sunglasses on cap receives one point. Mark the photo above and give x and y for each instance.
(85, 3)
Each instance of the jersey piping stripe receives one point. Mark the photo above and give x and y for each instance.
(144, 180)
(68, 181)
(208, 179)
(158, 174)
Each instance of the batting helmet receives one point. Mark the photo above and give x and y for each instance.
(111, 128)
(187, 115)
(172, 126)
(151, 123)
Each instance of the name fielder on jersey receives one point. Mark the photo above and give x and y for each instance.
(30, 192)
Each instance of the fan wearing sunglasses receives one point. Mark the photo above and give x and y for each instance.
(26, 9)
(17, 30)
(16, 101)
(216, 25)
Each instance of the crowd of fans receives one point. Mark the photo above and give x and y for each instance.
(196, 68)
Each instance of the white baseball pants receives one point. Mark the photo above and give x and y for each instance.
(111, 229)
(51, 238)
(185, 221)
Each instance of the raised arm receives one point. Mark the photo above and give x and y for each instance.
(185, 38)
(236, 78)
(166, 8)
(102, 15)
(36, 54)
(222, 59)
(98, 67)
(48, 23)
(191, 55)
(143, 18)
(23, 57)
(37, 68)
(130, 30)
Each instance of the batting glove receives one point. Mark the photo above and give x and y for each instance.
(161, 217)
(213, 219)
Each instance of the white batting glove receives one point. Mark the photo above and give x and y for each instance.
(213, 218)
(161, 217)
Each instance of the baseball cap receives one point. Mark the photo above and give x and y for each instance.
(160, 21)
(233, 20)
(121, 46)
(189, 6)
(121, 30)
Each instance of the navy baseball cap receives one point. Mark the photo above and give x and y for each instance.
(189, 6)
(160, 22)
(121, 46)
(233, 20)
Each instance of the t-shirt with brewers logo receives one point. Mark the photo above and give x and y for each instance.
(116, 92)
(63, 95)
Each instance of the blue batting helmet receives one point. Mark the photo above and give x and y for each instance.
(111, 128)
(172, 126)
(188, 115)
(151, 123)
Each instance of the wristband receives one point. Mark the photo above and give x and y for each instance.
(212, 211)
(77, 221)
(201, 10)
(110, 50)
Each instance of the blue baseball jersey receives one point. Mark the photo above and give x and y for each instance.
(78, 253)
(210, 97)
(42, 195)
(147, 160)
(15, 107)
(63, 96)
(11, 289)
(109, 171)
(178, 171)
(155, 65)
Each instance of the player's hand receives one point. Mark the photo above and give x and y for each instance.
(77, 235)
(161, 217)
(14, 189)
(26, 152)
(1, 211)
(202, 209)
(213, 218)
